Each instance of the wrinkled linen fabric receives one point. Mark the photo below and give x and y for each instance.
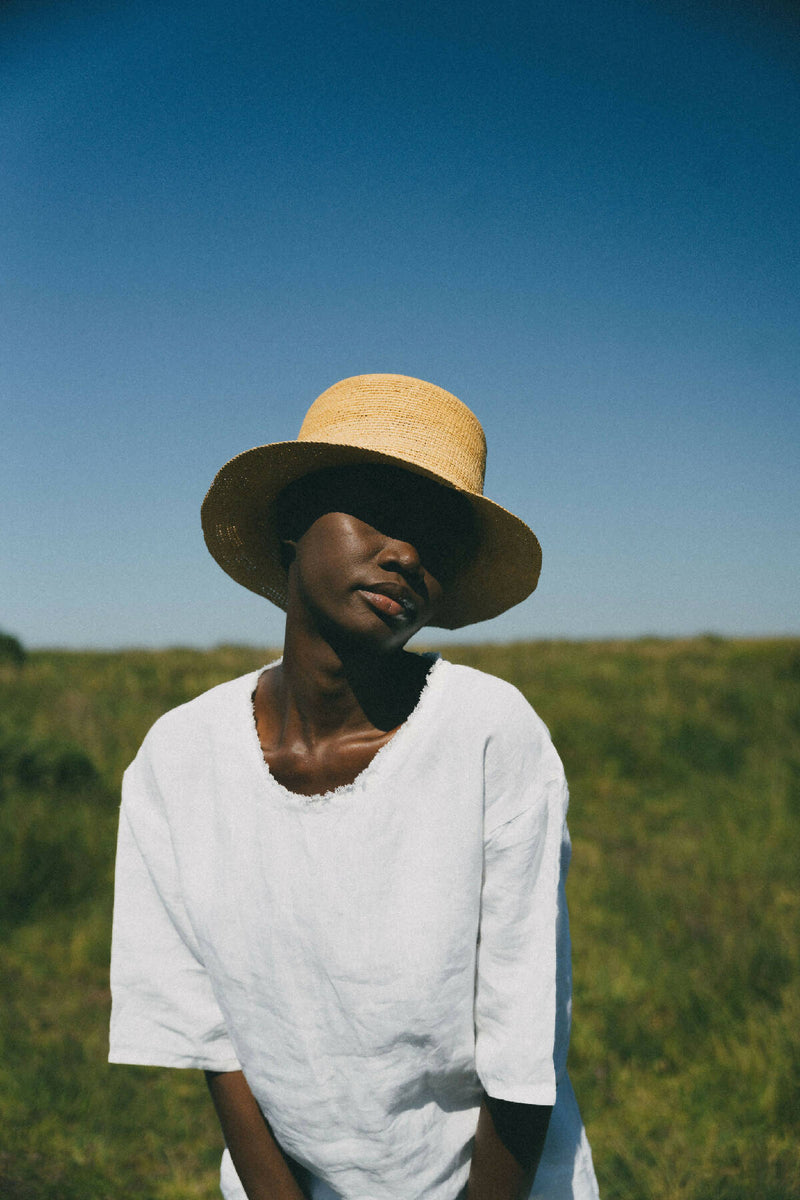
(371, 958)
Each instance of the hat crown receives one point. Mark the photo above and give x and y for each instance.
(405, 418)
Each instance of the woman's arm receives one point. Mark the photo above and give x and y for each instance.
(508, 1145)
(258, 1158)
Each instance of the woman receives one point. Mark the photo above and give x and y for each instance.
(340, 878)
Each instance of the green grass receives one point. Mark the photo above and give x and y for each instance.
(684, 764)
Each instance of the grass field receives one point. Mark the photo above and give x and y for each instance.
(684, 764)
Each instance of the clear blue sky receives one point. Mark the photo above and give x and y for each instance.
(583, 218)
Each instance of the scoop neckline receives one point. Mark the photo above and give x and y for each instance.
(374, 767)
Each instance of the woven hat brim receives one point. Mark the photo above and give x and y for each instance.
(239, 526)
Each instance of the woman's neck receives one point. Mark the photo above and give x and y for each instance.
(325, 688)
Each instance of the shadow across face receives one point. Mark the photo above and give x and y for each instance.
(404, 506)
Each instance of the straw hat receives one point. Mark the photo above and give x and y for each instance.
(391, 419)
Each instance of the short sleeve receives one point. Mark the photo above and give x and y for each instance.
(523, 985)
(163, 1011)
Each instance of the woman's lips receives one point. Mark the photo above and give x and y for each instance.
(387, 604)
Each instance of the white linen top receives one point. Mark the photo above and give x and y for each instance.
(370, 958)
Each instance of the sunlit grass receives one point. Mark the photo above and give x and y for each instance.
(684, 764)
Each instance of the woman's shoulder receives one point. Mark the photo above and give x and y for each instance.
(495, 714)
(489, 695)
(206, 716)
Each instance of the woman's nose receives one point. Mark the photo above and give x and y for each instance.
(401, 555)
